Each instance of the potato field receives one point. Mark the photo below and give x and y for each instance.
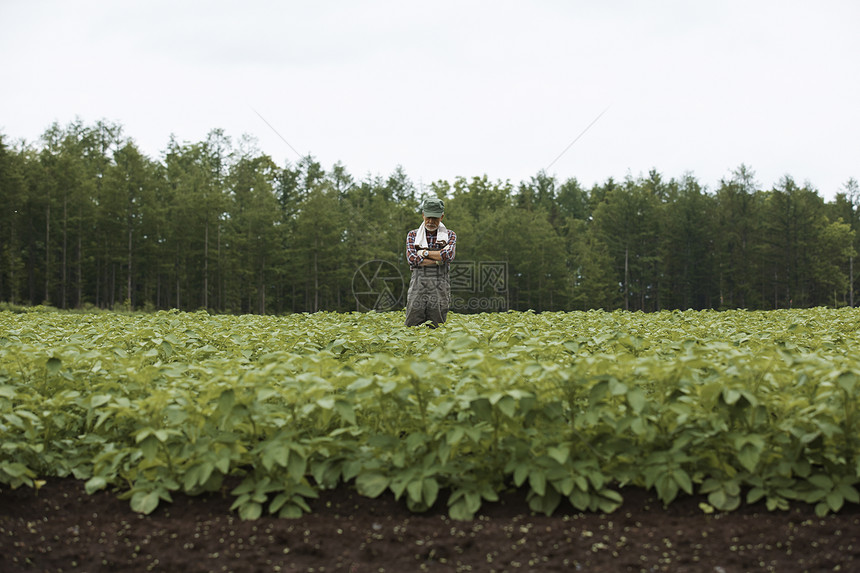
(556, 414)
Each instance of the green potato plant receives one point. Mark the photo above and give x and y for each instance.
(737, 406)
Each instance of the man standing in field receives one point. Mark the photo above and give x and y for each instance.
(429, 249)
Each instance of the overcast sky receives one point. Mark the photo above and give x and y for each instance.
(462, 88)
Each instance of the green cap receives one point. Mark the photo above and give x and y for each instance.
(433, 208)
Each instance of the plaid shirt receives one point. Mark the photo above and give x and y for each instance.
(412, 251)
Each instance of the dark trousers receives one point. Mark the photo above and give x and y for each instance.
(429, 296)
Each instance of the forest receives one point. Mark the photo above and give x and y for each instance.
(89, 221)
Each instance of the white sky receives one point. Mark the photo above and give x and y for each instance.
(449, 88)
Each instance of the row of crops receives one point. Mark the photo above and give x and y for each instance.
(738, 406)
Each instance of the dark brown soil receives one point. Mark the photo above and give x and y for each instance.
(61, 528)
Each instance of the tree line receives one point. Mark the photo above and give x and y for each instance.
(88, 220)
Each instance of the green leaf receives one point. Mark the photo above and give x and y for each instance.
(599, 391)
(559, 454)
(755, 494)
(346, 411)
(718, 499)
(636, 399)
(683, 479)
(473, 501)
(834, 500)
(459, 511)
(276, 454)
(95, 484)
(565, 485)
(420, 369)
(226, 400)
(667, 489)
(430, 490)
(847, 381)
(849, 492)
(18, 471)
(398, 484)
(651, 474)
(223, 461)
(545, 504)
(53, 365)
(149, 447)
(537, 481)
(191, 478)
(279, 501)
(297, 466)
(749, 456)
(371, 484)
(710, 392)
(482, 409)
(610, 500)
(508, 406)
(821, 481)
(144, 501)
(731, 396)
(250, 511)
(639, 426)
(100, 400)
(580, 499)
(167, 348)
(360, 383)
(292, 511)
(521, 473)
(415, 489)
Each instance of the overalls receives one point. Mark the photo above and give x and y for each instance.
(429, 295)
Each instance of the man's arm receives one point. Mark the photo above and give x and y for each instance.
(412, 255)
(430, 259)
(445, 254)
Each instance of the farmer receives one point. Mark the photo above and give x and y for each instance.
(429, 249)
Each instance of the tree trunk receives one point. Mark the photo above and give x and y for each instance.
(79, 264)
(47, 297)
(98, 282)
(261, 287)
(128, 282)
(65, 245)
(206, 263)
(220, 301)
(626, 278)
(316, 283)
(176, 267)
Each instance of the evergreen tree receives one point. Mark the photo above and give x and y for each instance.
(13, 196)
(594, 282)
(687, 248)
(737, 232)
(626, 222)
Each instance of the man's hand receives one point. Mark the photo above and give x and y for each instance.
(430, 257)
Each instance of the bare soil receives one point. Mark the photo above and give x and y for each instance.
(61, 528)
